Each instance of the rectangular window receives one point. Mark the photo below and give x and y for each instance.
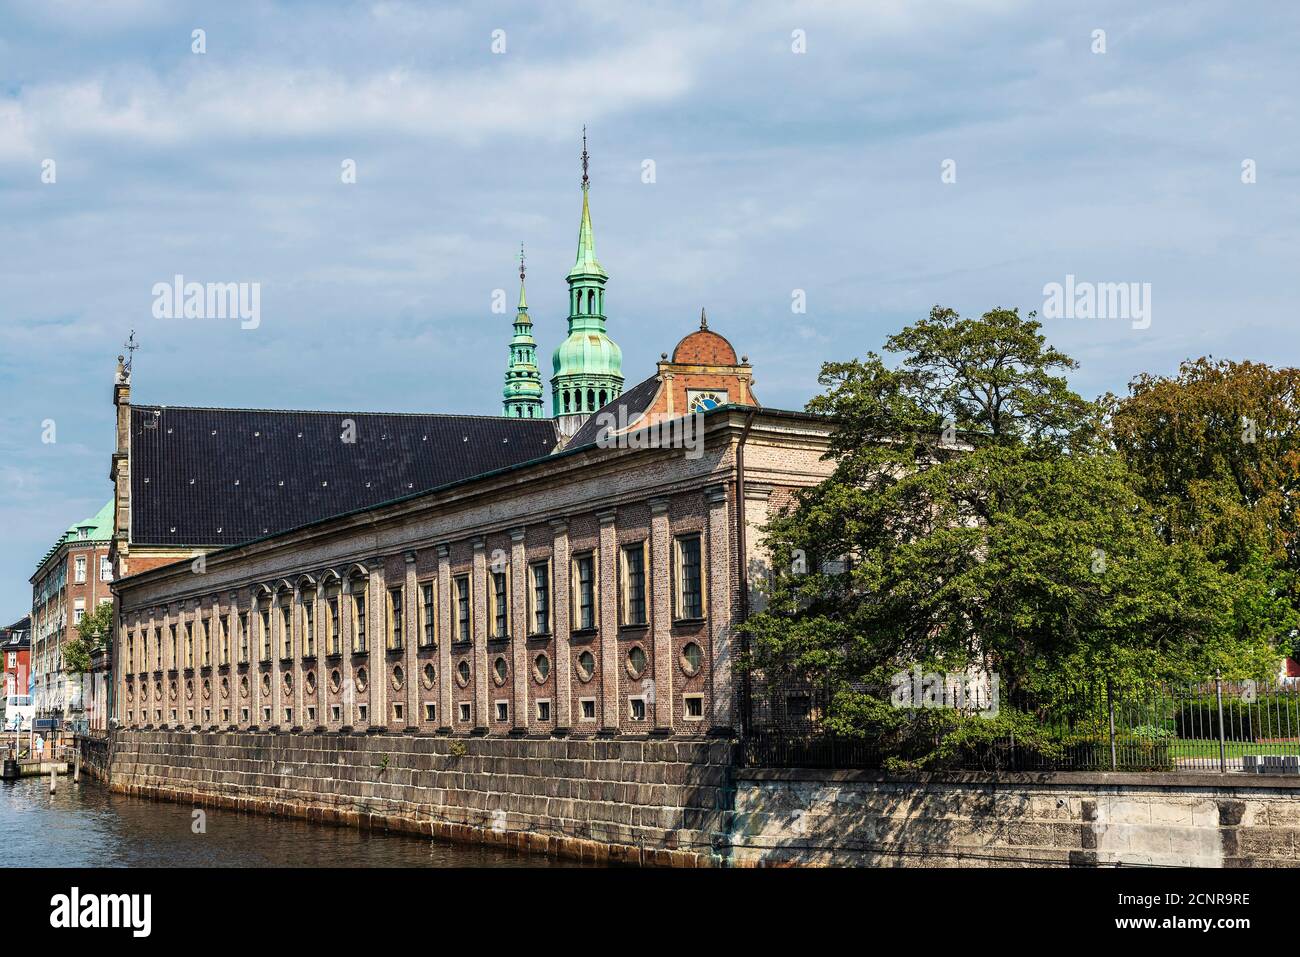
(286, 630)
(428, 618)
(243, 716)
(105, 569)
(359, 622)
(543, 711)
(130, 654)
(694, 704)
(462, 608)
(171, 634)
(223, 639)
(503, 710)
(636, 709)
(157, 647)
(265, 615)
(243, 637)
(500, 606)
(205, 653)
(332, 639)
(584, 591)
(690, 593)
(80, 574)
(363, 713)
(394, 619)
(311, 714)
(398, 711)
(189, 644)
(634, 605)
(309, 624)
(336, 713)
(587, 708)
(225, 716)
(429, 711)
(540, 613)
(464, 710)
(78, 614)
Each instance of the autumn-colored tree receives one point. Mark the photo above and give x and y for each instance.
(1216, 451)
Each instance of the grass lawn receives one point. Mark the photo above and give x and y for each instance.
(1199, 748)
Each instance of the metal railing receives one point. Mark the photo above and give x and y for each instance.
(1208, 726)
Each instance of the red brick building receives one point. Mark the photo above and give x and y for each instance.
(15, 656)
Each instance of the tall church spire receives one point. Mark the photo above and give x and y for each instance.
(523, 389)
(588, 365)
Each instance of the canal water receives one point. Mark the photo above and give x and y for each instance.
(86, 825)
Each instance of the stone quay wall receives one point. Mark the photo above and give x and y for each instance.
(644, 801)
(859, 818)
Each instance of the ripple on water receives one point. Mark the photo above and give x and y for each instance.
(86, 825)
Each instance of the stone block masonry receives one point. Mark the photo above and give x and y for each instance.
(859, 818)
(650, 801)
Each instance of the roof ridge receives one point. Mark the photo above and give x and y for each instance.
(412, 415)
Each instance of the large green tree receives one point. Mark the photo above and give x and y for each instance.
(974, 518)
(92, 635)
(1215, 449)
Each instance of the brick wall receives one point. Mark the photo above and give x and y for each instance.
(638, 801)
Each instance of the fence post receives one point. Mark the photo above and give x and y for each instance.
(1110, 707)
(1223, 748)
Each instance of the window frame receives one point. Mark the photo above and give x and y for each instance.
(307, 614)
(464, 633)
(548, 591)
(679, 577)
(499, 605)
(358, 596)
(427, 636)
(625, 582)
(575, 597)
(395, 618)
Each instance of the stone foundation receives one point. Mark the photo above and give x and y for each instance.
(656, 802)
(856, 818)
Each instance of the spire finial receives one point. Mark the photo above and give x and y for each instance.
(521, 264)
(704, 322)
(585, 181)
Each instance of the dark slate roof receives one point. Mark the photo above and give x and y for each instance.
(227, 476)
(634, 401)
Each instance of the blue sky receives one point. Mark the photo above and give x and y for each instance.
(774, 171)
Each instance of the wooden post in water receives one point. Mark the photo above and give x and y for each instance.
(76, 766)
(54, 780)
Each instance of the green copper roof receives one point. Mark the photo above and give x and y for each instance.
(523, 388)
(586, 264)
(99, 528)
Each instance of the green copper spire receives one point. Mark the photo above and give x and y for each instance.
(588, 365)
(523, 391)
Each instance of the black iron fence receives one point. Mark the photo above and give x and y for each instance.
(967, 723)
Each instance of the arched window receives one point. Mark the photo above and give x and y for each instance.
(591, 400)
(566, 400)
(602, 398)
(591, 301)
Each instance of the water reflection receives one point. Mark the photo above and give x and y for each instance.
(86, 825)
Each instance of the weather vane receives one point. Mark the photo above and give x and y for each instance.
(130, 346)
(585, 182)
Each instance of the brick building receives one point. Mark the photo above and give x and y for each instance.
(456, 574)
(73, 577)
(15, 656)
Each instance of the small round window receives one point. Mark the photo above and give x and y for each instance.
(266, 683)
(541, 668)
(189, 689)
(207, 688)
(336, 680)
(309, 682)
(462, 673)
(288, 682)
(586, 665)
(429, 675)
(636, 661)
(399, 678)
(243, 686)
(361, 679)
(499, 671)
(691, 658)
(225, 687)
